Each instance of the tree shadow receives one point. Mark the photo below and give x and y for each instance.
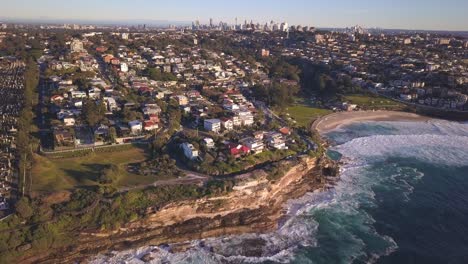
(91, 173)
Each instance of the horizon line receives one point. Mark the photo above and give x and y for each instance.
(161, 22)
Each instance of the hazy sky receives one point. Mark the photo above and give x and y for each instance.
(411, 14)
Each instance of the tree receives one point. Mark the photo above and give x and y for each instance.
(109, 174)
(158, 143)
(112, 134)
(93, 112)
(157, 75)
(130, 115)
(23, 208)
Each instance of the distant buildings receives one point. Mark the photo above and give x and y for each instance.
(444, 41)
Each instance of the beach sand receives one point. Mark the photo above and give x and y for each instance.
(335, 120)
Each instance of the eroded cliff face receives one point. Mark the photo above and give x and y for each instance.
(255, 205)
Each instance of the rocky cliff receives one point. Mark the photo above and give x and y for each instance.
(255, 205)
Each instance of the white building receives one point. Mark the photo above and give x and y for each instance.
(213, 125)
(76, 46)
(123, 67)
(189, 151)
(227, 123)
(254, 144)
(276, 141)
(135, 127)
(209, 143)
(111, 103)
(246, 118)
(69, 121)
(78, 94)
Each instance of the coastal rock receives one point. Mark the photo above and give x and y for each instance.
(255, 205)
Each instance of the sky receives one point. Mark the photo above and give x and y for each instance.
(394, 14)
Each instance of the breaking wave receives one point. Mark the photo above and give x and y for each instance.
(335, 226)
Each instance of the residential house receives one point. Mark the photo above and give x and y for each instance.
(111, 103)
(150, 125)
(238, 150)
(213, 125)
(236, 121)
(182, 99)
(135, 127)
(209, 143)
(153, 118)
(189, 151)
(63, 137)
(227, 123)
(69, 121)
(285, 131)
(78, 94)
(151, 109)
(254, 144)
(275, 140)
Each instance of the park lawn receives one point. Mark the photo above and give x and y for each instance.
(51, 175)
(304, 114)
(366, 101)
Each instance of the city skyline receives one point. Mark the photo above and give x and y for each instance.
(423, 15)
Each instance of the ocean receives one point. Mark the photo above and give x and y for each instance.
(402, 197)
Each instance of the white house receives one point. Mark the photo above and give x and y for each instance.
(123, 67)
(209, 143)
(69, 121)
(76, 46)
(111, 103)
(78, 94)
(213, 125)
(247, 119)
(254, 144)
(236, 121)
(276, 140)
(151, 109)
(227, 123)
(135, 127)
(189, 150)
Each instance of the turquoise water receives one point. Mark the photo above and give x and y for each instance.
(402, 197)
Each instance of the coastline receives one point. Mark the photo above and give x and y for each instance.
(333, 121)
(256, 205)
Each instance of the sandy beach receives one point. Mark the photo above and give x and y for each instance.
(335, 120)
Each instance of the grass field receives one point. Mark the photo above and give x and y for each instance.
(304, 113)
(50, 175)
(371, 102)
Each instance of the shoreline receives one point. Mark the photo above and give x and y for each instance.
(336, 120)
(262, 204)
(254, 206)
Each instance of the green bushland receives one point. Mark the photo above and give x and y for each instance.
(96, 209)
